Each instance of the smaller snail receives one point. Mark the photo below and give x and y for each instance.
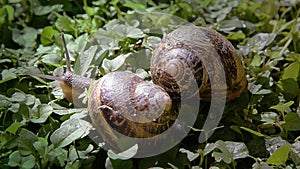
(130, 105)
(119, 102)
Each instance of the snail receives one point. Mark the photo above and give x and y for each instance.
(123, 102)
(200, 49)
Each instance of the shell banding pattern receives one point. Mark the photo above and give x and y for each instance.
(206, 53)
(172, 70)
(126, 105)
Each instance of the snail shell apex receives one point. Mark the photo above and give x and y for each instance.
(200, 54)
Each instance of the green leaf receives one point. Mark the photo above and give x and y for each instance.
(41, 146)
(224, 154)
(140, 59)
(47, 35)
(69, 131)
(128, 31)
(65, 23)
(252, 131)
(292, 122)
(14, 159)
(4, 101)
(14, 1)
(14, 107)
(90, 11)
(13, 128)
(26, 138)
(269, 117)
(125, 155)
(135, 33)
(229, 150)
(190, 155)
(114, 64)
(256, 61)
(43, 10)
(108, 42)
(282, 107)
(261, 165)
(8, 74)
(186, 9)
(24, 111)
(142, 73)
(84, 61)
(260, 40)
(52, 59)
(26, 37)
(237, 149)
(118, 164)
(289, 88)
(75, 154)
(152, 42)
(232, 24)
(133, 5)
(10, 12)
(18, 97)
(236, 36)
(209, 147)
(295, 152)
(280, 156)
(57, 154)
(28, 162)
(41, 113)
(272, 143)
(292, 71)
(30, 100)
(270, 7)
(80, 42)
(66, 111)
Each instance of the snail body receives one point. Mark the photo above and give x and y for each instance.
(121, 103)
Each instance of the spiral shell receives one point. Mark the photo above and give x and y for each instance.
(191, 52)
(125, 104)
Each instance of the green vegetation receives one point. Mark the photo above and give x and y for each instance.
(261, 129)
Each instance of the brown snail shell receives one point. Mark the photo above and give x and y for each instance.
(197, 49)
(125, 103)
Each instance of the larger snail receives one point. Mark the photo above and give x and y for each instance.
(202, 51)
(123, 102)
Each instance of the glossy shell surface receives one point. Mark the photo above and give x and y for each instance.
(201, 55)
(125, 104)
